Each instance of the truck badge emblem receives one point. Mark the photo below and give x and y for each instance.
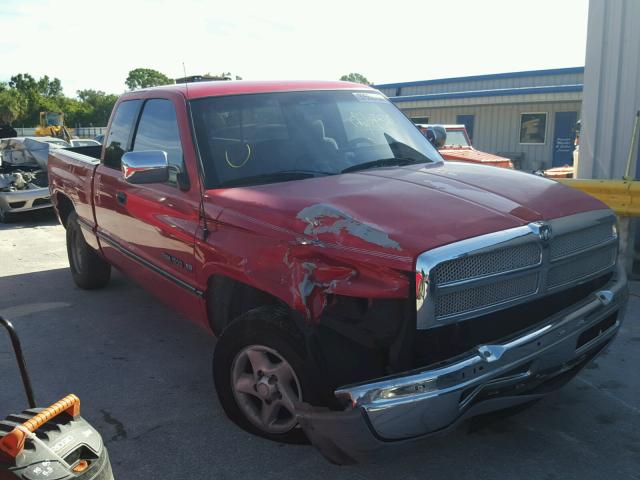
(544, 232)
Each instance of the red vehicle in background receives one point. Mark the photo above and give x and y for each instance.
(458, 148)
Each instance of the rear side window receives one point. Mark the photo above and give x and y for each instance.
(120, 132)
(158, 130)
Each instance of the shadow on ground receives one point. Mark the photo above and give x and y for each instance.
(42, 217)
(143, 374)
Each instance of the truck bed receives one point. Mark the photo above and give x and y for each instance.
(71, 171)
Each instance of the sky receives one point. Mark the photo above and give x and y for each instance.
(94, 44)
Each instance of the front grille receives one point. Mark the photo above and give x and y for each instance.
(499, 261)
(483, 274)
(444, 342)
(485, 295)
(580, 240)
(581, 266)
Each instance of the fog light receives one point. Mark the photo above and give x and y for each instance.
(407, 390)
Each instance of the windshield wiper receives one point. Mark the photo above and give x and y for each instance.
(280, 176)
(384, 162)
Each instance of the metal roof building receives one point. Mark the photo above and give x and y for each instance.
(527, 116)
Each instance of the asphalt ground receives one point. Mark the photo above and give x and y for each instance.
(144, 376)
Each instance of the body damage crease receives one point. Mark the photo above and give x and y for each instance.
(321, 218)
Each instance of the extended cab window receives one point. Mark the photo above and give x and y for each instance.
(158, 130)
(120, 132)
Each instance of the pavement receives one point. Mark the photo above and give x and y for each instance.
(144, 376)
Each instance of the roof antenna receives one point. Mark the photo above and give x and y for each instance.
(203, 214)
(186, 81)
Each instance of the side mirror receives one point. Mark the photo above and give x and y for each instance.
(437, 135)
(149, 166)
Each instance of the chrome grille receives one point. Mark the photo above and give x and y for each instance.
(485, 295)
(580, 240)
(490, 263)
(483, 274)
(581, 267)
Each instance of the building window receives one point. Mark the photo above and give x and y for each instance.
(420, 120)
(533, 128)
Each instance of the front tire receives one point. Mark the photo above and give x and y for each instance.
(88, 269)
(260, 371)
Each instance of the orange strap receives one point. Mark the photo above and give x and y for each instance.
(13, 442)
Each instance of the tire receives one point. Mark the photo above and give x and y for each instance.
(5, 217)
(269, 332)
(88, 269)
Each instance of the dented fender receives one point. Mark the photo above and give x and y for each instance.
(303, 267)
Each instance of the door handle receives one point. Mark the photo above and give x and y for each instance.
(121, 197)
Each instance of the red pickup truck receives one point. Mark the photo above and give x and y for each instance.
(457, 147)
(364, 292)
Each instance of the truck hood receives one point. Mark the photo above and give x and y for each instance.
(470, 154)
(396, 213)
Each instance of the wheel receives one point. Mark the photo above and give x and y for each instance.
(88, 269)
(5, 217)
(259, 371)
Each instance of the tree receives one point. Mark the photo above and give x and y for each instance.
(25, 89)
(11, 106)
(146, 77)
(100, 105)
(23, 97)
(49, 88)
(23, 83)
(355, 77)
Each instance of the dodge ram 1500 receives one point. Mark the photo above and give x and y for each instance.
(363, 291)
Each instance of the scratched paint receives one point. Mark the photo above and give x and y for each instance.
(321, 218)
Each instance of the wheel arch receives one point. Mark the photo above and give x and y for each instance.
(64, 207)
(228, 298)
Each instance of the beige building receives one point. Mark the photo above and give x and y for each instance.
(529, 117)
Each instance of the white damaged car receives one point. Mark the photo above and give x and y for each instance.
(23, 174)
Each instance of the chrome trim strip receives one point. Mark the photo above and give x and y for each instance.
(428, 291)
(149, 265)
(84, 223)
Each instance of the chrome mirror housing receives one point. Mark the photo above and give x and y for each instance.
(150, 166)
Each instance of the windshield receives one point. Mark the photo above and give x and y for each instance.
(456, 138)
(263, 138)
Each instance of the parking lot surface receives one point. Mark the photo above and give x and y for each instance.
(144, 376)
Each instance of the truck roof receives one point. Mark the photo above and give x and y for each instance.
(236, 87)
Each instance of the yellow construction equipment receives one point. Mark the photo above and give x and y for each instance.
(52, 125)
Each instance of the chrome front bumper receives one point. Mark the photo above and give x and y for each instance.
(23, 200)
(491, 377)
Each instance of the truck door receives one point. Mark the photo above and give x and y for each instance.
(148, 230)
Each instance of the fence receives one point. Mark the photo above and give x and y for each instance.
(80, 132)
(89, 132)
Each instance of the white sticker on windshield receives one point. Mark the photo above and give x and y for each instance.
(369, 97)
